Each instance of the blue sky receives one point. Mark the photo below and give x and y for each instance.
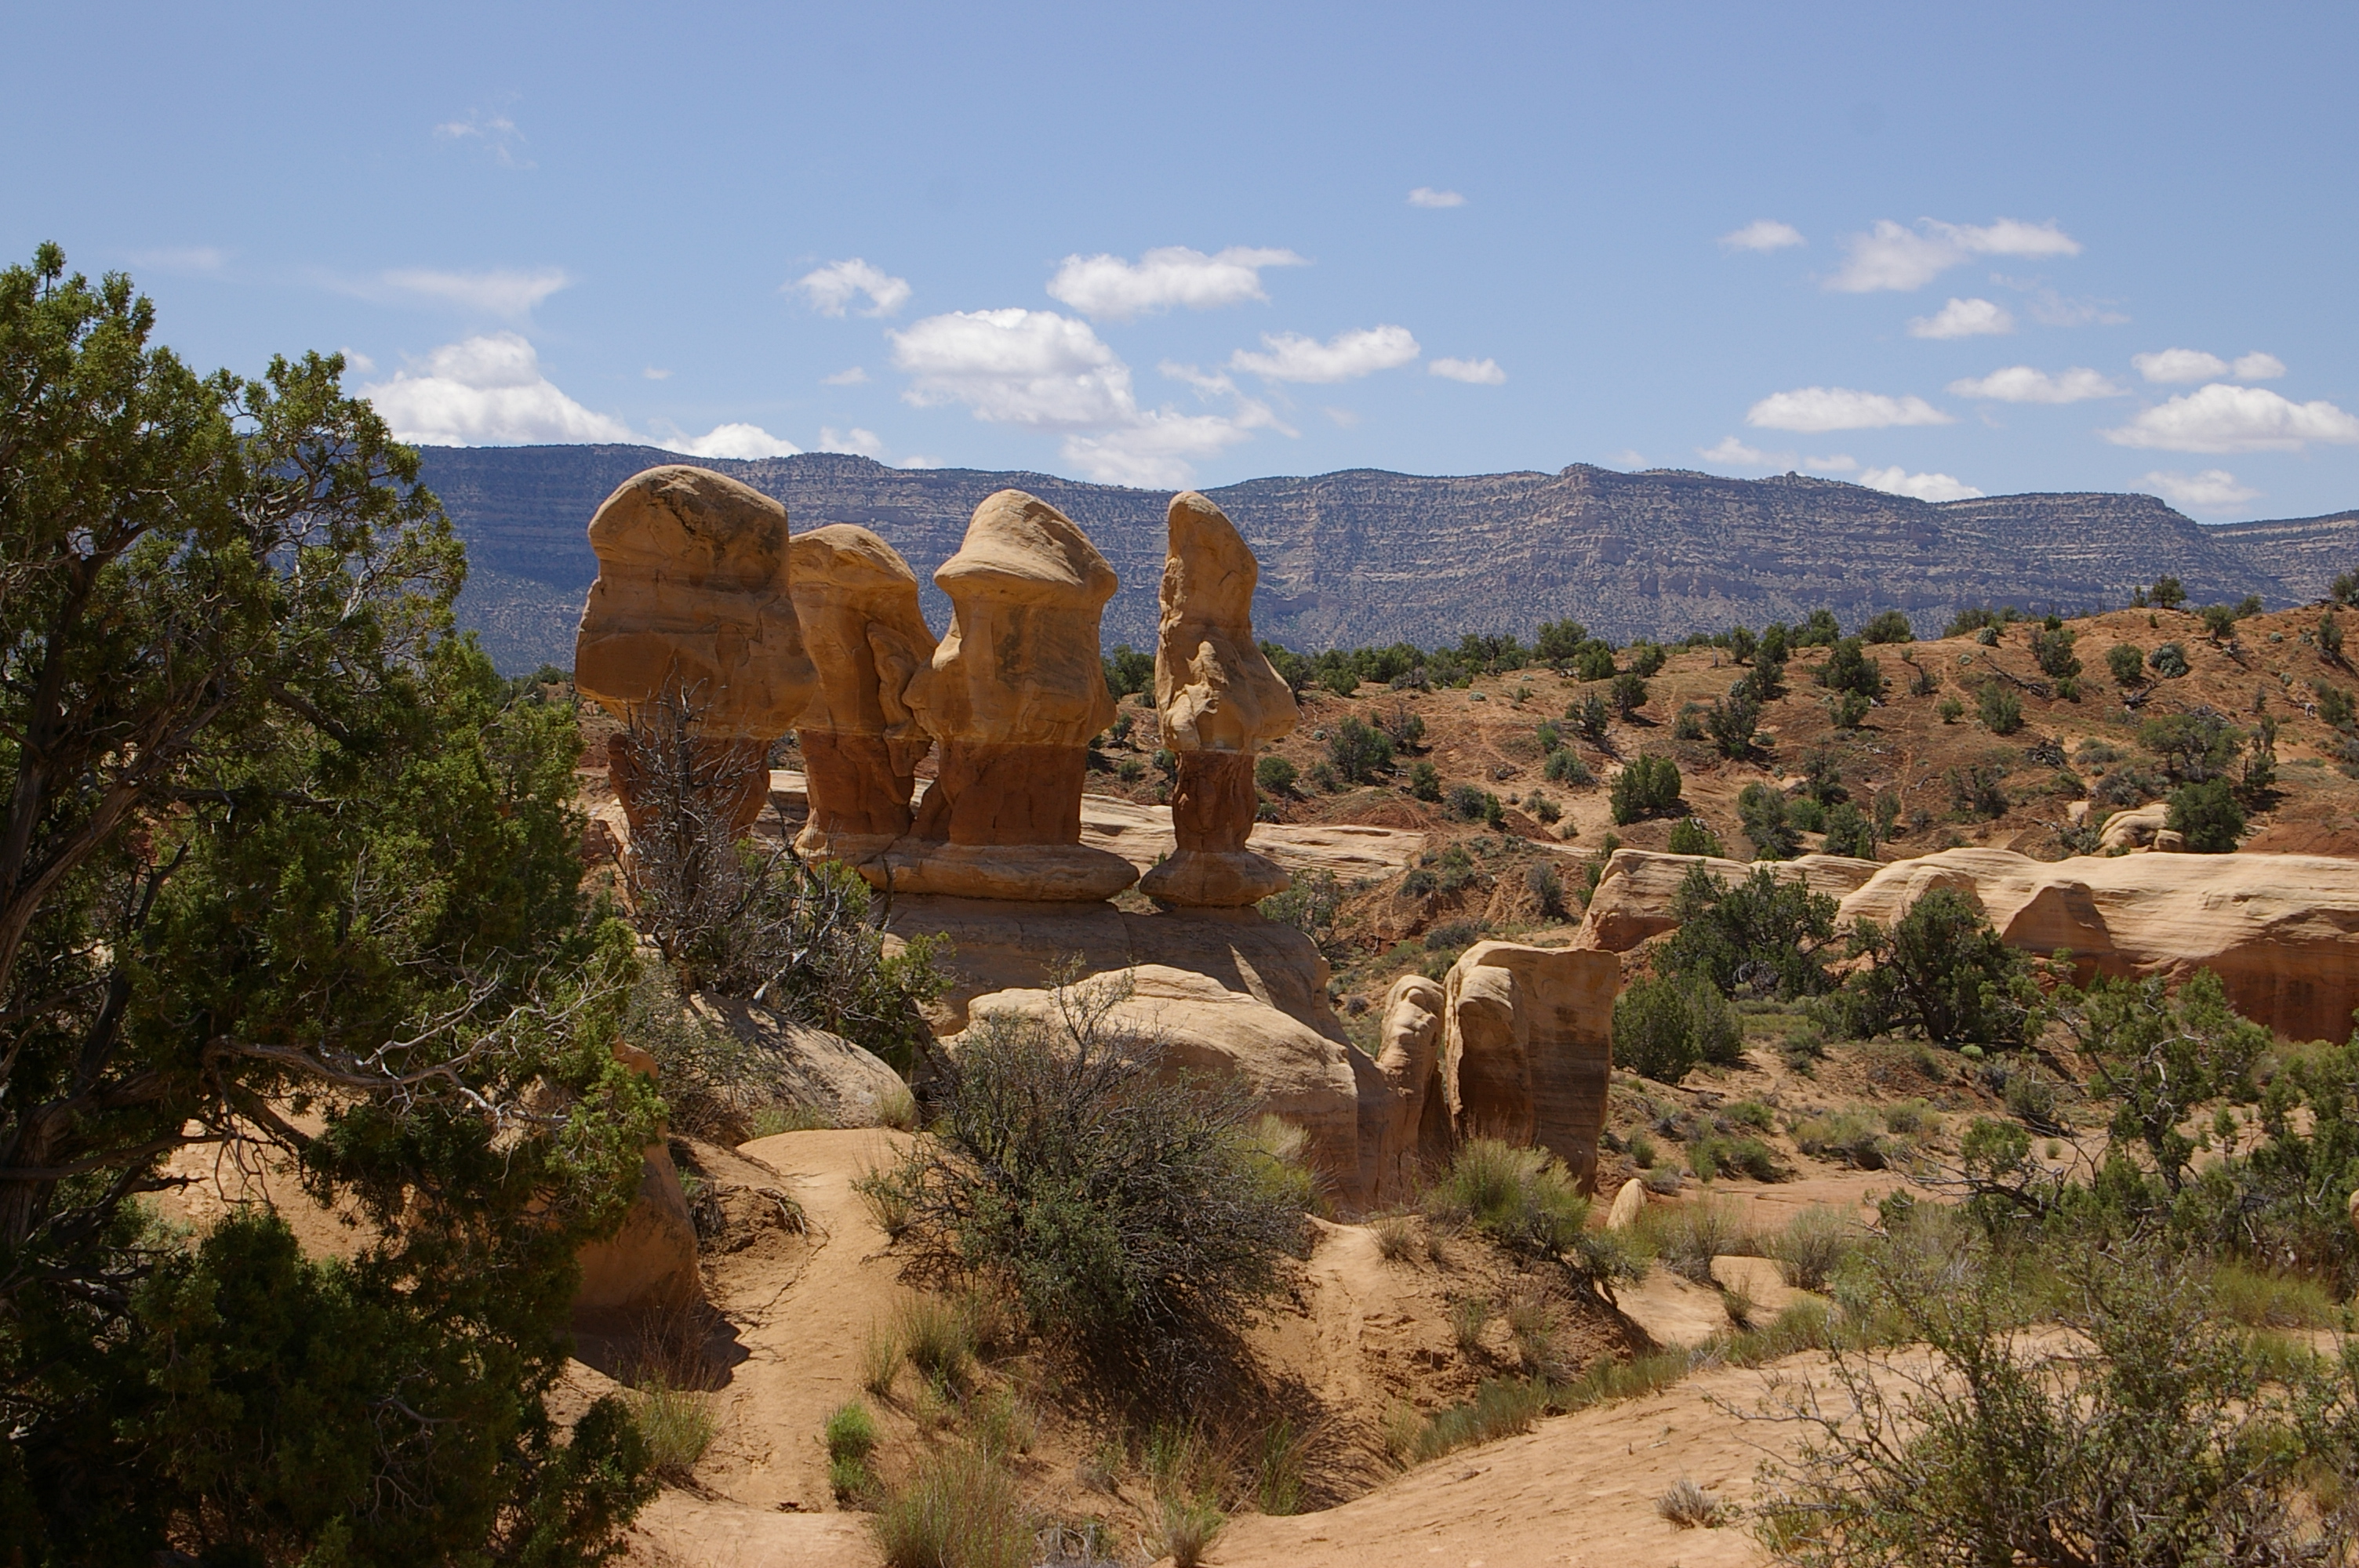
(1989, 248)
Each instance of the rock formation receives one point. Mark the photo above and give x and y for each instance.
(649, 1265)
(1529, 1047)
(1013, 695)
(846, 1084)
(857, 602)
(690, 635)
(1632, 901)
(2281, 931)
(1218, 699)
(2142, 828)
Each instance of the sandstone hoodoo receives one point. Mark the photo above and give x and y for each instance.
(1529, 1047)
(857, 600)
(1014, 693)
(691, 623)
(1218, 698)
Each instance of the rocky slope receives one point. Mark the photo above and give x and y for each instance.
(1367, 557)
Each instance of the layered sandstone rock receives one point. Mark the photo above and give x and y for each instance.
(1634, 896)
(1218, 699)
(1013, 695)
(1404, 1110)
(690, 636)
(2142, 828)
(648, 1267)
(1529, 1047)
(857, 602)
(2281, 931)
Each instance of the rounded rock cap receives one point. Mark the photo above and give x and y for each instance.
(1021, 548)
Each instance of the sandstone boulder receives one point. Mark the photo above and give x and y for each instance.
(1632, 901)
(1404, 1110)
(1013, 695)
(844, 1082)
(691, 625)
(1529, 1047)
(1218, 700)
(2281, 931)
(2142, 828)
(857, 602)
(648, 1267)
(1629, 1203)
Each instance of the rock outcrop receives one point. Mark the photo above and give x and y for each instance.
(648, 1267)
(1218, 699)
(2143, 827)
(848, 1085)
(1632, 901)
(690, 633)
(2281, 931)
(857, 602)
(1528, 1048)
(1012, 696)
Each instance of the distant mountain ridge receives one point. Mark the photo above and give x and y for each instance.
(1365, 555)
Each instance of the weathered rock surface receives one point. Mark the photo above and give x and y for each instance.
(1012, 694)
(2140, 828)
(1218, 699)
(846, 1083)
(1629, 1203)
(1404, 1109)
(1529, 1047)
(690, 622)
(1632, 901)
(857, 602)
(649, 1265)
(2281, 931)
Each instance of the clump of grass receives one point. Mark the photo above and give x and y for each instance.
(851, 1437)
(1689, 1506)
(1179, 1461)
(769, 1120)
(1686, 1238)
(1520, 1197)
(1713, 1156)
(888, 1202)
(897, 1107)
(2245, 1295)
(1532, 1323)
(1469, 1316)
(678, 1425)
(1005, 1422)
(1911, 1119)
(1185, 1527)
(938, 1338)
(1501, 1407)
(880, 1360)
(1277, 1470)
(959, 1509)
(1737, 1301)
(1402, 1428)
(1849, 1137)
(1396, 1237)
(1814, 1246)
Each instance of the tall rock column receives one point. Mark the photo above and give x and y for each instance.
(857, 600)
(690, 635)
(1527, 1047)
(1013, 695)
(1218, 699)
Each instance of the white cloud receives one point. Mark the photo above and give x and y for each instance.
(2258, 366)
(2223, 418)
(357, 362)
(486, 391)
(831, 288)
(739, 441)
(2022, 383)
(2210, 491)
(1812, 409)
(1156, 448)
(857, 441)
(1763, 234)
(1346, 356)
(1209, 384)
(1839, 463)
(181, 258)
(1344, 419)
(1109, 288)
(498, 292)
(1426, 196)
(1963, 319)
(2179, 365)
(856, 376)
(1479, 372)
(496, 135)
(1892, 257)
(652, 373)
(1734, 454)
(1897, 480)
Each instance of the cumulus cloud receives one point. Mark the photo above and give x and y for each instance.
(1763, 234)
(486, 392)
(1890, 257)
(1109, 288)
(2258, 366)
(2223, 418)
(1479, 372)
(652, 373)
(2022, 383)
(2211, 490)
(856, 376)
(181, 258)
(1426, 196)
(1346, 356)
(1049, 373)
(859, 443)
(2178, 364)
(831, 288)
(498, 292)
(1812, 409)
(1963, 319)
(747, 441)
(1732, 453)
(1897, 480)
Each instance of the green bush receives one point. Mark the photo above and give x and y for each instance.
(1734, 721)
(1763, 812)
(1713, 1156)
(2169, 661)
(1942, 972)
(1665, 1025)
(1361, 753)
(2052, 648)
(1888, 626)
(1849, 832)
(1998, 708)
(1425, 782)
(1692, 836)
(1849, 670)
(1766, 933)
(1522, 1198)
(1627, 692)
(960, 1508)
(1815, 1246)
(1647, 787)
(1565, 766)
(2208, 815)
(2127, 662)
(1275, 774)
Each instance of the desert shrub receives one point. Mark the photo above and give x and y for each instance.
(1454, 867)
(1692, 836)
(1522, 1198)
(1978, 791)
(1763, 811)
(1765, 933)
(2334, 705)
(1591, 716)
(2052, 648)
(1998, 708)
(2167, 593)
(2330, 636)
(1398, 1238)
(1980, 618)
(1311, 906)
(1685, 1237)
(1818, 629)
(1425, 782)
(1849, 831)
(1544, 810)
(1713, 1155)
(2193, 747)
(2129, 786)
(1806, 814)
(2169, 661)
(1627, 692)
(1687, 724)
(1950, 710)
(676, 1424)
(1499, 1408)
(1565, 766)
(1664, 1025)
(2126, 662)
(959, 1507)
(1275, 774)
(1733, 722)
(1924, 680)
(2208, 815)
(1647, 658)
(1547, 887)
(1851, 1137)
(1814, 1247)
(1848, 669)
(2161, 1057)
(1464, 802)
(1941, 971)
(1404, 726)
(1110, 1198)
(1688, 1506)
(1847, 710)
(1647, 787)
(1360, 753)
(1594, 660)
(1128, 670)
(1888, 626)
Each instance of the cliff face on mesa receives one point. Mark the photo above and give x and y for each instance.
(1369, 556)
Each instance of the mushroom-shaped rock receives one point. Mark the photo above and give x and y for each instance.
(857, 602)
(1013, 695)
(1529, 1047)
(1218, 699)
(690, 632)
